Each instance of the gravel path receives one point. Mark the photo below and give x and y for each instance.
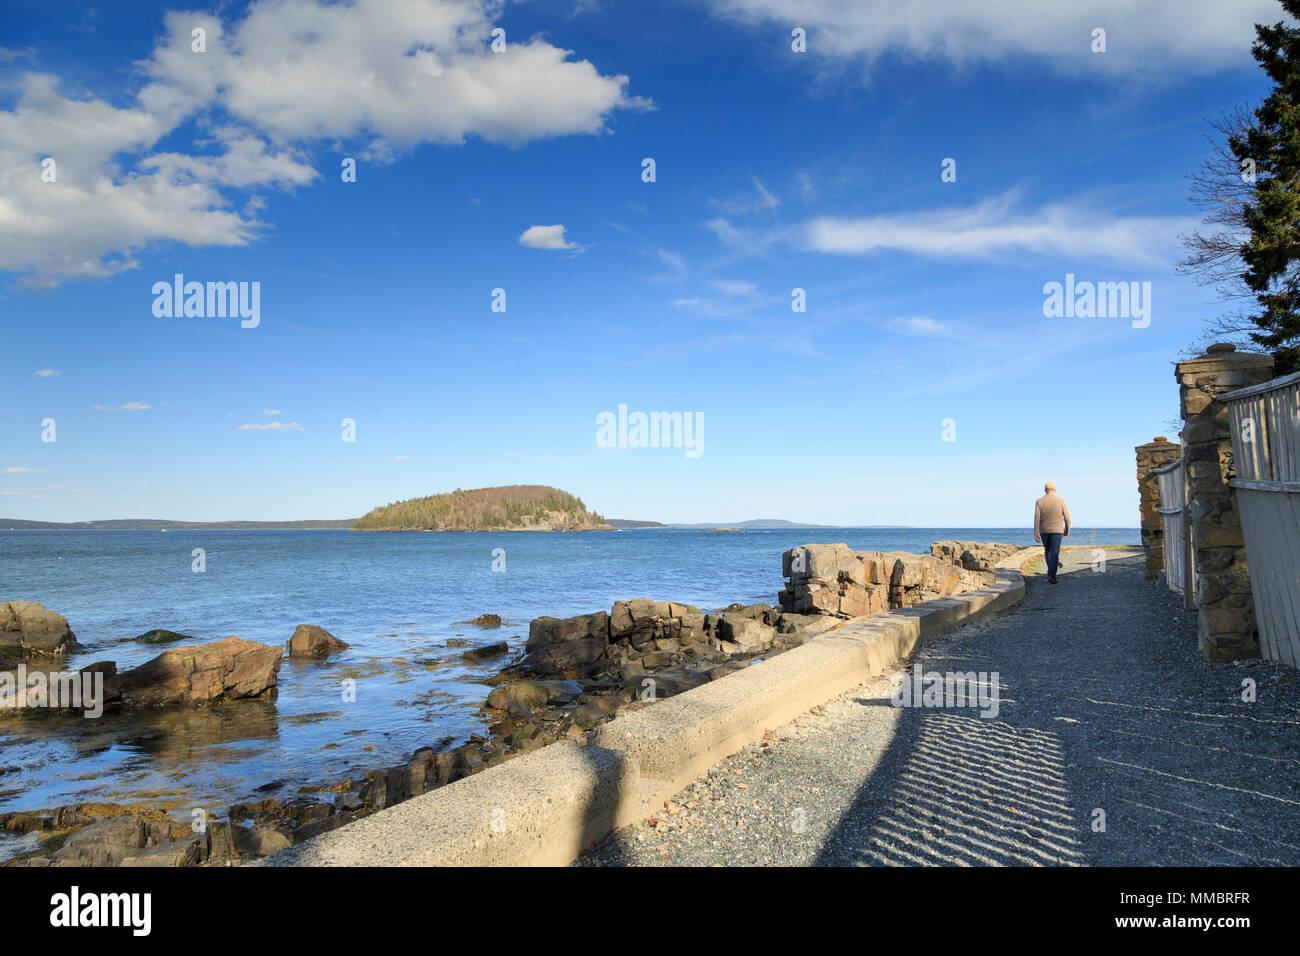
(1106, 705)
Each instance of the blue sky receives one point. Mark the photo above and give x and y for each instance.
(775, 170)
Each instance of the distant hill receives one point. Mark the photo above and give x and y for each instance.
(508, 508)
(155, 524)
(757, 524)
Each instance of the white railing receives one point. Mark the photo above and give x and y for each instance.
(1180, 569)
(1265, 427)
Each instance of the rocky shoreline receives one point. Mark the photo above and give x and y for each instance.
(574, 674)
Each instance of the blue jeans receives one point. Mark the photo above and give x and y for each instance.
(1052, 551)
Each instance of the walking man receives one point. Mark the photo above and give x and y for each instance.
(1051, 523)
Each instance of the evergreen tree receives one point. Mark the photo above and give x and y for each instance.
(1270, 148)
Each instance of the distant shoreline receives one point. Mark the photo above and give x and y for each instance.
(158, 524)
(347, 526)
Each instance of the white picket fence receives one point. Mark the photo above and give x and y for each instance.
(1180, 569)
(1265, 427)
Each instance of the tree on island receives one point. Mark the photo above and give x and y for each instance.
(1250, 187)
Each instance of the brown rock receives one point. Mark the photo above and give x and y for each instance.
(29, 628)
(105, 843)
(311, 641)
(184, 852)
(230, 669)
(559, 644)
(486, 651)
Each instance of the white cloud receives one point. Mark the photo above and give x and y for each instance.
(245, 162)
(271, 427)
(404, 71)
(371, 76)
(93, 218)
(547, 237)
(1197, 35)
(806, 187)
(399, 458)
(751, 241)
(47, 372)
(19, 470)
(762, 199)
(735, 287)
(923, 326)
(996, 228)
(670, 258)
(708, 307)
(128, 407)
(271, 412)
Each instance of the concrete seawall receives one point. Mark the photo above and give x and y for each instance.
(545, 807)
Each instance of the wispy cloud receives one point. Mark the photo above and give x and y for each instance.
(744, 205)
(128, 407)
(923, 326)
(998, 228)
(1001, 228)
(672, 259)
(271, 427)
(806, 188)
(19, 470)
(1211, 34)
(752, 241)
(47, 372)
(399, 458)
(271, 412)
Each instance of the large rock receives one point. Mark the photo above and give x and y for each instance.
(831, 579)
(106, 843)
(483, 653)
(749, 633)
(973, 555)
(557, 645)
(185, 852)
(230, 669)
(640, 621)
(311, 641)
(29, 629)
(533, 693)
(821, 561)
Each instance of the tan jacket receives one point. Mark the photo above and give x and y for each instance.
(1051, 516)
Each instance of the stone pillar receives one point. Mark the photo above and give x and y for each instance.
(1225, 611)
(1154, 454)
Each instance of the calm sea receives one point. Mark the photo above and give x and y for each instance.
(396, 598)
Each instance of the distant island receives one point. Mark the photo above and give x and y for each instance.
(508, 508)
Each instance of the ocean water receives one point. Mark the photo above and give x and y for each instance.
(396, 598)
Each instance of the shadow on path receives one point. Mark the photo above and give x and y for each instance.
(1116, 744)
